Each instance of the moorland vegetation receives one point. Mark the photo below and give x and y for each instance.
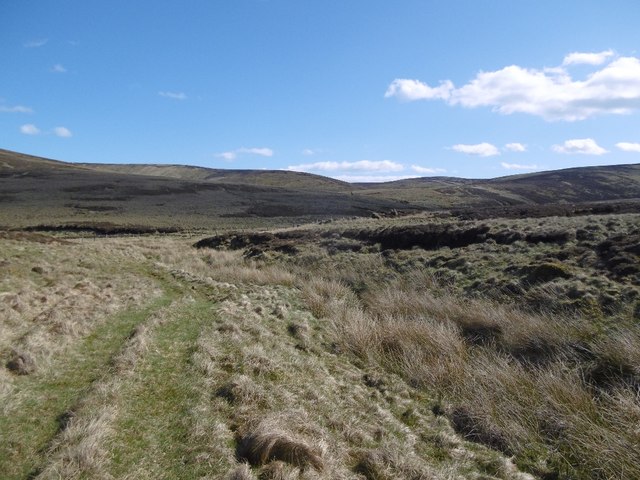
(494, 342)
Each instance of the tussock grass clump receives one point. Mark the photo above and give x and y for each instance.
(266, 441)
(300, 332)
(616, 362)
(426, 352)
(225, 266)
(324, 297)
(475, 428)
(79, 449)
(387, 463)
(241, 389)
(21, 363)
(279, 471)
(241, 472)
(521, 383)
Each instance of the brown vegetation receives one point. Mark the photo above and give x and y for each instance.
(267, 441)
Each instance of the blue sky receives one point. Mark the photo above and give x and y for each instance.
(358, 90)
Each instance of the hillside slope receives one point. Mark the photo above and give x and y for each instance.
(35, 191)
(574, 185)
(268, 178)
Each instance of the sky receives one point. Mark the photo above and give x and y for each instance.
(360, 90)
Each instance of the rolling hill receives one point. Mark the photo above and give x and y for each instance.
(573, 185)
(36, 191)
(265, 178)
(40, 191)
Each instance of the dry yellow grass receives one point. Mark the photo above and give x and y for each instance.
(268, 441)
(509, 379)
(258, 369)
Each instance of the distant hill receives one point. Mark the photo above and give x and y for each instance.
(573, 185)
(36, 190)
(265, 178)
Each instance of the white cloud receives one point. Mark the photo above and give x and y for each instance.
(480, 149)
(427, 170)
(16, 109)
(411, 90)
(371, 178)
(549, 93)
(58, 68)
(233, 154)
(628, 147)
(36, 43)
(515, 147)
(361, 165)
(587, 58)
(174, 95)
(517, 166)
(308, 152)
(584, 146)
(229, 156)
(29, 129)
(264, 152)
(62, 132)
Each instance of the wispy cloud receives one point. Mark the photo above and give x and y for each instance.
(480, 149)
(228, 156)
(576, 58)
(62, 132)
(550, 93)
(515, 147)
(263, 151)
(628, 147)
(361, 165)
(15, 109)
(517, 166)
(583, 146)
(427, 170)
(233, 154)
(174, 95)
(308, 152)
(358, 171)
(410, 90)
(371, 178)
(35, 43)
(29, 129)
(58, 68)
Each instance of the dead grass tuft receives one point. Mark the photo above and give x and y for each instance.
(267, 441)
(21, 363)
(300, 332)
(278, 470)
(472, 426)
(387, 463)
(241, 389)
(616, 363)
(324, 297)
(425, 351)
(241, 472)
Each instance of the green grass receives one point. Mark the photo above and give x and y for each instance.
(29, 427)
(152, 432)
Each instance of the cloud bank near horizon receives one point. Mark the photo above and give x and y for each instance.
(550, 93)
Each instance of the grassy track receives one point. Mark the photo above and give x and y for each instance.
(28, 428)
(153, 428)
